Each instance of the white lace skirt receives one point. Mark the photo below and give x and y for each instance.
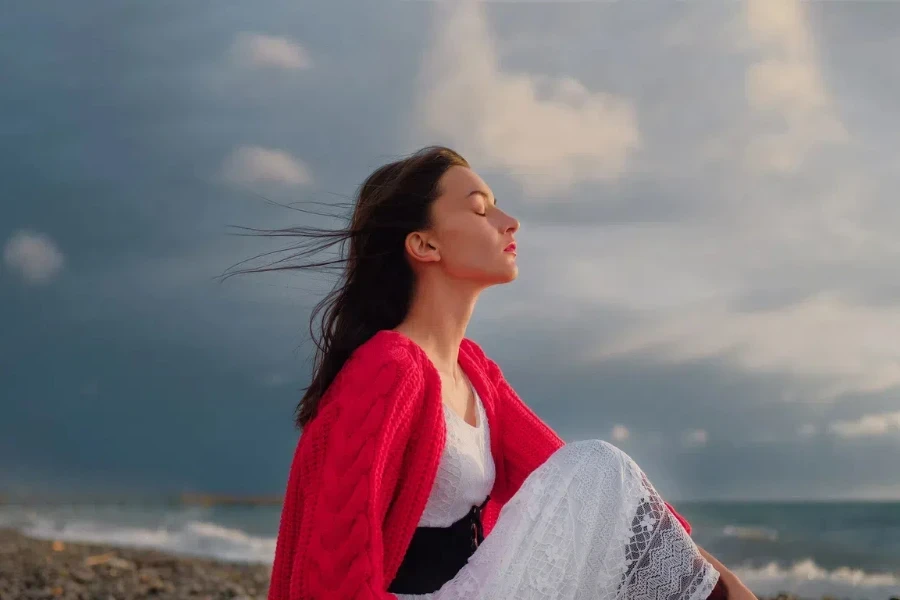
(585, 525)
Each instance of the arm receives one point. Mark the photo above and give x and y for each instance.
(342, 479)
(734, 588)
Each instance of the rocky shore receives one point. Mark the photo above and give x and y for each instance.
(32, 569)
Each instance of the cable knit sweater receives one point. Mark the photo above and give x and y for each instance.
(365, 465)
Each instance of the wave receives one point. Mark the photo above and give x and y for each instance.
(197, 538)
(807, 579)
(190, 534)
(751, 533)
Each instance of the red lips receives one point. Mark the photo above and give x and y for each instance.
(510, 248)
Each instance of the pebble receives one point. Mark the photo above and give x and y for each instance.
(56, 570)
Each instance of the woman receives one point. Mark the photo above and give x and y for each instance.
(419, 471)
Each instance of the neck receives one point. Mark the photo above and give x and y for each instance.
(437, 319)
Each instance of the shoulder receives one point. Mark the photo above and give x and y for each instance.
(477, 357)
(388, 347)
(476, 354)
(387, 365)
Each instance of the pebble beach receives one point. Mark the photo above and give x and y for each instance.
(38, 569)
(33, 569)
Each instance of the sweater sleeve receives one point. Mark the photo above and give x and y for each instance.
(526, 441)
(341, 482)
(682, 520)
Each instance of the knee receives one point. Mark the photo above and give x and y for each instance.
(593, 451)
(597, 448)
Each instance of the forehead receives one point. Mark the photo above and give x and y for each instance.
(458, 182)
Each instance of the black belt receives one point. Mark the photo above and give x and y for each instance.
(436, 554)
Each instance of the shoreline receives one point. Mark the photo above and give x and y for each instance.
(37, 569)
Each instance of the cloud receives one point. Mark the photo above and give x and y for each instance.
(259, 50)
(836, 346)
(255, 164)
(620, 433)
(787, 84)
(34, 255)
(547, 132)
(695, 437)
(807, 430)
(875, 425)
(774, 269)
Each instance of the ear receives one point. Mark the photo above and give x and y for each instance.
(422, 247)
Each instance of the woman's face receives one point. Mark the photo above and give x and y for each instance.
(471, 239)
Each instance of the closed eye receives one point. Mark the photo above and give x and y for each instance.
(487, 198)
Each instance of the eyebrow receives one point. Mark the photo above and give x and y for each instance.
(482, 193)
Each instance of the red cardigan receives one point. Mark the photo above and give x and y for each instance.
(365, 465)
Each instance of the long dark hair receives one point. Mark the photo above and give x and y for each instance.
(376, 281)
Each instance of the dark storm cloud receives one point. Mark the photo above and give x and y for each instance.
(135, 368)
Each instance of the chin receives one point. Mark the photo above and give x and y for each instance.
(510, 275)
(487, 278)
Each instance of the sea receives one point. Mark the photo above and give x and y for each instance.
(842, 550)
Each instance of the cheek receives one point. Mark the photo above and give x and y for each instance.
(470, 250)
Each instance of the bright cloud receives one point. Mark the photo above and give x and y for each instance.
(845, 348)
(256, 164)
(620, 433)
(868, 426)
(34, 255)
(787, 84)
(696, 437)
(548, 132)
(771, 267)
(259, 50)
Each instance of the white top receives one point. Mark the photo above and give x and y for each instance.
(466, 472)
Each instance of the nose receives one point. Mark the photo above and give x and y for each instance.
(511, 225)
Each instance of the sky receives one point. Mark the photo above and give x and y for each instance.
(708, 252)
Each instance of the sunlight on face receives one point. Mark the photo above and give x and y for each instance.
(473, 237)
